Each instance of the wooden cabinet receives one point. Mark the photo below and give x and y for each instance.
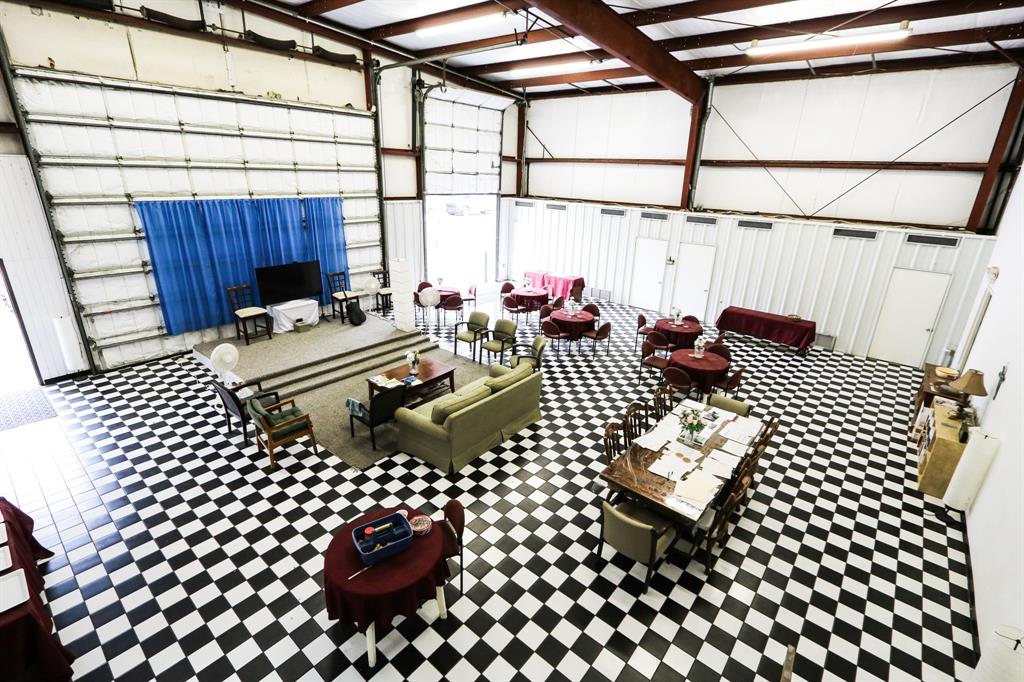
(939, 450)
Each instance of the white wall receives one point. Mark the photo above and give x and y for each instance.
(797, 267)
(995, 524)
(859, 118)
(405, 234)
(32, 266)
(645, 125)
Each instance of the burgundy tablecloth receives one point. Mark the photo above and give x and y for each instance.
(563, 285)
(704, 371)
(573, 325)
(682, 335)
(537, 277)
(532, 298)
(28, 649)
(779, 328)
(394, 587)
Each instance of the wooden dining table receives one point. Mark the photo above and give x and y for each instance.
(630, 473)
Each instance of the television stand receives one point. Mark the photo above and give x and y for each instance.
(286, 314)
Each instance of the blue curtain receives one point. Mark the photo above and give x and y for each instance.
(199, 248)
(326, 236)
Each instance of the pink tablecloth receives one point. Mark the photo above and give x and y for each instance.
(563, 285)
(573, 325)
(537, 277)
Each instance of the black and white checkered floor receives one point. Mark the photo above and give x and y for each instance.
(179, 555)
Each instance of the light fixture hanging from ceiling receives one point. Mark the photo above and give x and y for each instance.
(756, 49)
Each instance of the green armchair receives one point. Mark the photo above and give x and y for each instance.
(503, 338)
(277, 426)
(531, 354)
(476, 330)
(637, 533)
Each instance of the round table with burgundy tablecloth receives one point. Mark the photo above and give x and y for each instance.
(703, 371)
(680, 335)
(394, 587)
(573, 325)
(530, 297)
(445, 294)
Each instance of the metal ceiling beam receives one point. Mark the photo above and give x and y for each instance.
(602, 26)
(317, 7)
(888, 15)
(913, 42)
(1010, 121)
(481, 9)
(683, 10)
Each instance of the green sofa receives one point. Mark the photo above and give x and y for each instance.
(451, 431)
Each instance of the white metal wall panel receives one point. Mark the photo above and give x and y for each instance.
(32, 265)
(135, 143)
(797, 267)
(405, 234)
(638, 184)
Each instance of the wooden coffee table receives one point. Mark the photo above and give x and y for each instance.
(432, 373)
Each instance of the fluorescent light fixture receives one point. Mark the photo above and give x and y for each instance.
(758, 50)
(548, 70)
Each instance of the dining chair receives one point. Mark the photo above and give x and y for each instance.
(713, 526)
(423, 285)
(558, 303)
(337, 288)
(545, 313)
(502, 338)
(660, 342)
(235, 409)
(384, 293)
(452, 303)
(551, 331)
(642, 330)
(471, 297)
(648, 358)
(602, 333)
(455, 522)
(638, 533)
(576, 292)
(277, 426)
(592, 309)
(720, 349)
(511, 306)
(613, 441)
(691, 318)
(534, 353)
(664, 401)
(636, 421)
(378, 410)
(507, 287)
(730, 383)
(719, 339)
(679, 380)
(240, 298)
(476, 330)
(729, 405)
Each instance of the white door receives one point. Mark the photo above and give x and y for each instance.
(909, 312)
(648, 273)
(694, 268)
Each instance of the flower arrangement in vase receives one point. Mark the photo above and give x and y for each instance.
(692, 424)
(677, 315)
(413, 358)
(698, 347)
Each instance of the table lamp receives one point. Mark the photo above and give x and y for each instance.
(971, 382)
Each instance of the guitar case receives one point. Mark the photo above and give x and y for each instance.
(355, 314)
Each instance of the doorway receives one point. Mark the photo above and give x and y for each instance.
(461, 240)
(20, 370)
(648, 273)
(907, 319)
(694, 267)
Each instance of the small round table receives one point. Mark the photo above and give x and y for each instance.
(395, 586)
(530, 297)
(681, 335)
(573, 325)
(704, 371)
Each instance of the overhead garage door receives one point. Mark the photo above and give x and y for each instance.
(104, 143)
(462, 146)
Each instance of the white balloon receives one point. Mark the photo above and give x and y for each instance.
(430, 297)
(372, 285)
(224, 358)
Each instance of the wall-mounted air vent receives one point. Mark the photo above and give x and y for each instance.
(524, 204)
(854, 234)
(703, 220)
(645, 215)
(756, 224)
(613, 211)
(556, 207)
(932, 240)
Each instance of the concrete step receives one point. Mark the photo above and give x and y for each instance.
(367, 366)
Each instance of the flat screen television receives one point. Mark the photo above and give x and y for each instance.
(280, 283)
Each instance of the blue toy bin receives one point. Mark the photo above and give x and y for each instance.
(396, 538)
